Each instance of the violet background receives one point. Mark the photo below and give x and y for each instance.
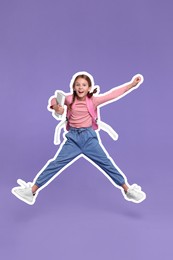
(81, 215)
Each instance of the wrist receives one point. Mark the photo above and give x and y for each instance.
(131, 85)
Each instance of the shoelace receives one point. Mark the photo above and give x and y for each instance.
(136, 187)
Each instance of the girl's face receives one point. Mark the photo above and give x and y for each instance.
(82, 88)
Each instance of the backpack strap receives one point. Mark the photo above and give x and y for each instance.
(58, 131)
(68, 115)
(93, 112)
(97, 123)
(107, 128)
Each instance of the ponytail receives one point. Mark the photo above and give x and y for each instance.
(90, 94)
(73, 99)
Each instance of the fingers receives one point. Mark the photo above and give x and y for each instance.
(138, 79)
(57, 107)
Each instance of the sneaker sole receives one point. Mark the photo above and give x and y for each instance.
(24, 199)
(136, 201)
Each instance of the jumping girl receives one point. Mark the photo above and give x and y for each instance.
(82, 139)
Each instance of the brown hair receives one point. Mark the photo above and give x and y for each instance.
(90, 94)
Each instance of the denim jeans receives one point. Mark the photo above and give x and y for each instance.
(80, 141)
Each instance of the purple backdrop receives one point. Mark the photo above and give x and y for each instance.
(81, 215)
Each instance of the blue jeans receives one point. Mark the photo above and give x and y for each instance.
(80, 141)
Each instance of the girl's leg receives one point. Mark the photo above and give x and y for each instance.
(125, 187)
(34, 188)
(66, 154)
(96, 153)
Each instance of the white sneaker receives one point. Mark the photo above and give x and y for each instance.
(24, 192)
(135, 194)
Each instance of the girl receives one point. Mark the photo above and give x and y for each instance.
(82, 139)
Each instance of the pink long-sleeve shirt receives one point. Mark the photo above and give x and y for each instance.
(80, 116)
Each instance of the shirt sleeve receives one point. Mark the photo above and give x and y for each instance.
(112, 94)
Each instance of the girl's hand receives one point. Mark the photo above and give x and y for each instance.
(136, 81)
(58, 108)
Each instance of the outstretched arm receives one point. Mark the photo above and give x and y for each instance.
(118, 92)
